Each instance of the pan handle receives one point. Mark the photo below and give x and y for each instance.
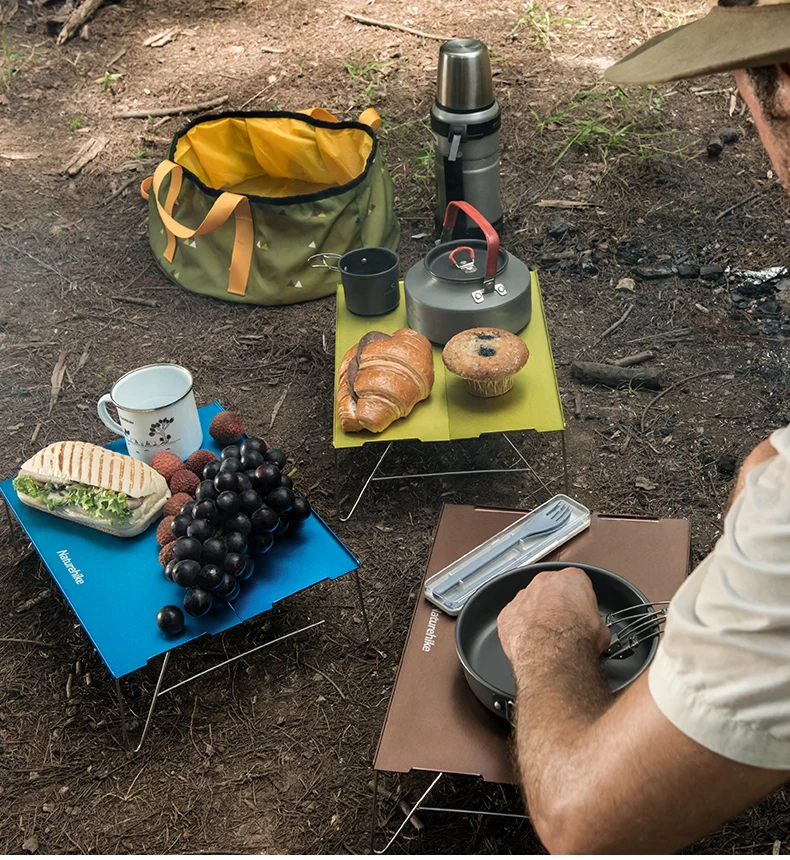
(491, 235)
(323, 264)
(504, 707)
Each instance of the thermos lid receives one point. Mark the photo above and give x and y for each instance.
(464, 80)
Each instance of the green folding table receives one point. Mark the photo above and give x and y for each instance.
(450, 413)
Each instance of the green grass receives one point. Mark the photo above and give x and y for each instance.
(108, 79)
(11, 61)
(608, 122)
(76, 123)
(541, 26)
(368, 73)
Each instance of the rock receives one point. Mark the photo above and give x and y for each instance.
(626, 284)
(687, 270)
(728, 135)
(726, 465)
(654, 273)
(558, 229)
(30, 845)
(715, 147)
(644, 483)
(589, 268)
(711, 272)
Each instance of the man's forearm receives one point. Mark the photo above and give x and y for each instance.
(560, 693)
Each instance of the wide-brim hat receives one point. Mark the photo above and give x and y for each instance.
(727, 38)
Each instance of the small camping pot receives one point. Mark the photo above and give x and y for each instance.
(370, 279)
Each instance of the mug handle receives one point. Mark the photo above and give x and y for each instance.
(101, 407)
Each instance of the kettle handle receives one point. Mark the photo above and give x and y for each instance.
(491, 235)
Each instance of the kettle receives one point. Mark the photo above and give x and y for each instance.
(467, 283)
(465, 121)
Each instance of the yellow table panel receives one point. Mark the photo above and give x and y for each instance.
(449, 412)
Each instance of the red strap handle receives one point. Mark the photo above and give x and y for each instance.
(491, 236)
(462, 248)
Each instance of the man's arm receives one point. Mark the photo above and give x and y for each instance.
(605, 774)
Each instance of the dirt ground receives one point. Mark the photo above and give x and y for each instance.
(274, 754)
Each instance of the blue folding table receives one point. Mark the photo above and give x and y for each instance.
(116, 585)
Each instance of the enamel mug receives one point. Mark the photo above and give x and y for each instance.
(157, 411)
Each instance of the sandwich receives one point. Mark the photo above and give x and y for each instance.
(93, 486)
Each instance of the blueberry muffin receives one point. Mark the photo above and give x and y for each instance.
(486, 359)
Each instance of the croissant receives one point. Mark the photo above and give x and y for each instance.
(390, 375)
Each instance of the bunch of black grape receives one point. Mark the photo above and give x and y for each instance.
(242, 504)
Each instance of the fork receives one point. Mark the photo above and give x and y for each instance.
(543, 523)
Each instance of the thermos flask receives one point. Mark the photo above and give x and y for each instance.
(465, 120)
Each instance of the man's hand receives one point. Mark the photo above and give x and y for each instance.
(557, 603)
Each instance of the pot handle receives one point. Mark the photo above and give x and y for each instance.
(323, 264)
(491, 236)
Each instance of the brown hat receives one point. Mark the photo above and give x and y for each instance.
(729, 37)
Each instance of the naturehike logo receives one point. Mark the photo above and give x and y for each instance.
(430, 633)
(74, 571)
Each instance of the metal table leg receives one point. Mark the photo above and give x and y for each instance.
(406, 820)
(364, 488)
(160, 692)
(418, 807)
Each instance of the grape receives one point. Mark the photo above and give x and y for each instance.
(188, 507)
(185, 573)
(300, 510)
(228, 502)
(264, 520)
(200, 529)
(267, 477)
(206, 490)
(214, 551)
(250, 501)
(251, 460)
(230, 452)
(281, 500)
(206, 510)
(187, 547)
(180, 524)
(232, 464)
(197, 601)
(170, 620)
(169, 568)
(226, 481)
(276, 456)
(228, 589)
(281, 529)
(210, 577)
(238, 523)
(254, 443)
(286, 481)
(211, 470)
(236, 542)
(245, 481)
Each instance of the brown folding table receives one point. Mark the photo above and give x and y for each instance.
(434, 723)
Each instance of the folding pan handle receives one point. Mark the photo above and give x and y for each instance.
(491, 236)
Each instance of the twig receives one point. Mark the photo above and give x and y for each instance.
(563, 204)
(674, 385)
(387, 26)
(636, 358)
(268, 50)
(277, 406)
(148, 303)
(117, 57)
(77, 19)
(27, 642)
(120, 190)
(324, 675)
(741, 202)
(34, 601)
(36, 432)
(672, 334)
(617, 324)
(257, 95)
(593, 373)
(171, 111)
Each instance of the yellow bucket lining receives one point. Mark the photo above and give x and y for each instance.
(273, 156)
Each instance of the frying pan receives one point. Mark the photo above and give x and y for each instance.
(485, 665)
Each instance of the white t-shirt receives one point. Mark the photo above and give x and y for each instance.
(722, 671)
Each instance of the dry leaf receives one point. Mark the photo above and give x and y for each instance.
(58, 372)
(158, 40)
(626, 284)
(645, 484)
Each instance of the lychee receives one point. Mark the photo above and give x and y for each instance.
(166, 553)
(167, 464)
(174, 504)
(226, 428)
(196, 462)
(163, 534)
(184, 481)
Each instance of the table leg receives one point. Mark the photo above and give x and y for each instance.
(405, 821)
(565, 478)
(362, 604)
(11, 529)
(527, 464)
(365, 487)
(153, 701)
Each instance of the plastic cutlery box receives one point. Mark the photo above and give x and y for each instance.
(455, 584)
